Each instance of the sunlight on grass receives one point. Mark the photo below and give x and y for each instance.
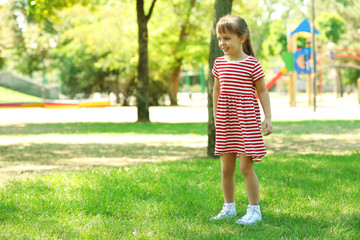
(177, 199)
(184, 139)
(94, 187)
(11, 96)
(337, 144)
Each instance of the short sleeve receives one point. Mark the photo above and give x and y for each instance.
(258, 73)
(214, 70)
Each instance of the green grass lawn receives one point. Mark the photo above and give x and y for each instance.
(10, 96)
(309, 183)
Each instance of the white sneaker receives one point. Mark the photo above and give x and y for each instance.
(253, 215)
(228, 211)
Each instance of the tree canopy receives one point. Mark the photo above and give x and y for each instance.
(92, 45)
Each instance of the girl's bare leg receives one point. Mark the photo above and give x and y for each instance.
(250, 178)
(228, 165)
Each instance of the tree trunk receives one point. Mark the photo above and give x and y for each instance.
(116, 90)
(175, 74)
(142, 95)
(174, 85)
(339, 88)
(127, 91)
(221, 8)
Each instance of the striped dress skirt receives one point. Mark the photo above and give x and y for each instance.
(238, 126)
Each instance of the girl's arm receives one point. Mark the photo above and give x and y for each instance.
(216, 92)
(265, 103)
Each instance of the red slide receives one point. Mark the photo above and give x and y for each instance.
(272, 82)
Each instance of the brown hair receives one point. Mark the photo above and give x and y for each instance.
(237, 25)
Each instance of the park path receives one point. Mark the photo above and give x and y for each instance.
(28, 155)
(190, 110)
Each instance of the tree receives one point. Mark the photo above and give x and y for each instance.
(33, 30)
(275, 43)
(6, 32)
(102, 62)
(221, 8)
(179, 39)
(142, 95)
(45, 10)
(175, 71)
(12, 40)
(332, 26)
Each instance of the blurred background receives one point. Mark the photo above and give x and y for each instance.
(89, 48)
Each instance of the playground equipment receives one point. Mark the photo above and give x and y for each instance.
(358, 82)
(297, 61)
(339, 54)
(272, 82)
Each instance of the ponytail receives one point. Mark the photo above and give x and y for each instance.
(247, 46)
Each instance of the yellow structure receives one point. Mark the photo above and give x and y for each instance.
(358, 82)
(292, 85)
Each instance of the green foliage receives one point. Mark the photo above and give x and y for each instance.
(26, 55)
(94, 50)
(275, 44)
(79, 74)
(2, 62)
(5, 33)
(102, 35)
(43, 10)
(331, 25)
(156, 93)
(348, 10)
(165, 47)
(350, 76)
(346, 2)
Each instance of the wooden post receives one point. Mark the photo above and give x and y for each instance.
(358, 81)
(308, 88)
(313, 53)
(292, 86)
(320, 77)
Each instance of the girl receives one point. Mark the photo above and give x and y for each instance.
(238, 123)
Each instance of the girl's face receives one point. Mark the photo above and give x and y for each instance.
(231, 44)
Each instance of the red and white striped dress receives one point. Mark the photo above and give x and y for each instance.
(238, 120)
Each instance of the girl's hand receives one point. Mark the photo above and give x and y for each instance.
(267, 127)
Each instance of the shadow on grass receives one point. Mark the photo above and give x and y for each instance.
(53, 153)
(313, 144)
(91, 128)
(30, 158)
(316, 127)
(303, 195)
(283, 127)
